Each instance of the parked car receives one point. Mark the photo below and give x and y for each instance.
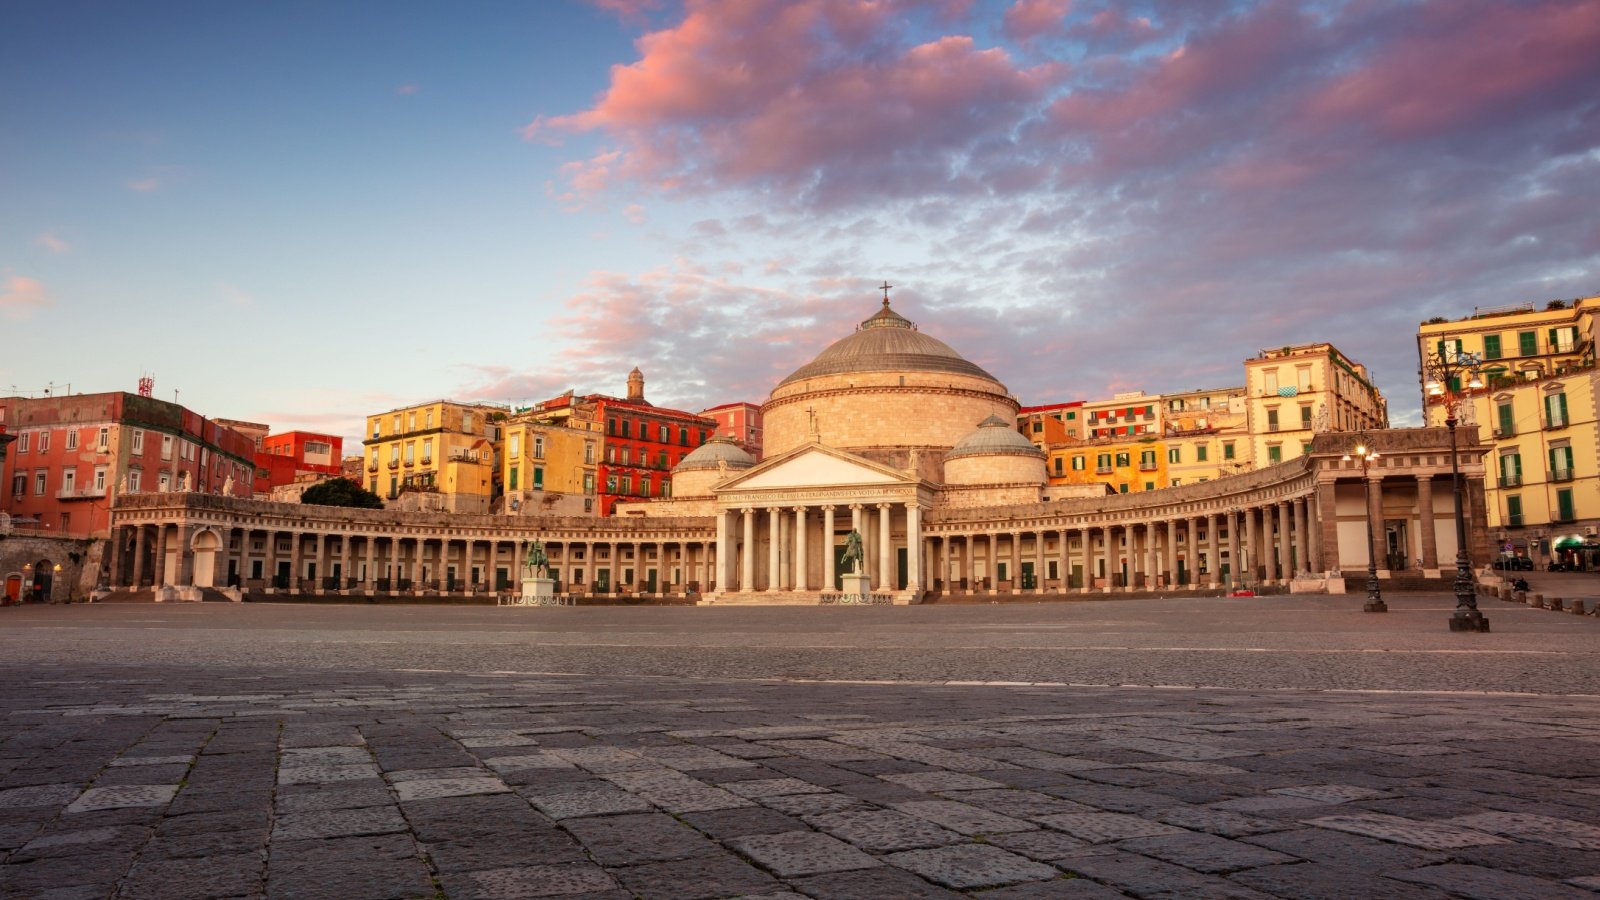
(1514, 563)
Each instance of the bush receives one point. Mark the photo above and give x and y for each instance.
(341, 492)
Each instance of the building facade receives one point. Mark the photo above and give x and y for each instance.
(740, 422)
(73, 455)
(550, 462)
(1537, 410)
(1291, 393)
(642, 444)
(951, 502)
(288, 463)
(445, 454)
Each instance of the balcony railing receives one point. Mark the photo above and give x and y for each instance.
(1147, 467)
(1511, 481)
(1560, 474)
(1514, 521)
(1503, 433)
(394, 464)
(1555, 422)
(372, 467)
(80, 493)
(1102, 470)
(427, 460)
(1564, 517)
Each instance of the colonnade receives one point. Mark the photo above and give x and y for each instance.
(292, 561)
(803, 542)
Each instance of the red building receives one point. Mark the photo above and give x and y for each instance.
(643, 442)
(739, 422)
(283, 458)
(72, 455)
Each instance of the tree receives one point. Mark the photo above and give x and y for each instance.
(341, 492)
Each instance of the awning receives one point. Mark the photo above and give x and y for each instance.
(1574, 542)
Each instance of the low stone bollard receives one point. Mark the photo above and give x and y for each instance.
(1576, 608)
(1536, 600)
(1519, 596)
(1554, 603)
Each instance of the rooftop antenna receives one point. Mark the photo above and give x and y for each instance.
(147, 385)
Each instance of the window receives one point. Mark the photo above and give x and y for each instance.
(1564, 509)
(661, 459)
(69, 481)
(1561, 463)
(427, 450)
(427, 419)
(1514, 511)
(1272, 420)
(1038, 426)
(588, 483)
(411, 452)
(1122, 488)
(1303, 377)
(133, 480)
(377, 428)
(1149, 485)
(1078, 463)
(627, 428)
(166, 446)
(1200, 453)
(22, 442)
(1510, 469)
(588, 454)
(627, 456)
(515, 445)
(1305, 416)
(72, 439)
(683, 436)
(1491, 346)
(1562, 340)
(19, 485)
(100, 479)
(1122, 458)
(512, 483)
(39, 481)
(44, 441)
(611, 426)
(1274, 454)
(1102, 463)
(1269, 380)
(538, 446)
(1508, 421)
(138, 440)
(1555, 410)
(1175, 455)
(664, 434)
(1527, 343)
(466, 422)
(1058, 466)
(1227, 449)
(1449, 349)
(538, 478)
(1305, 448)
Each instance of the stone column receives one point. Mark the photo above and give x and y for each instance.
(1313, 534)
(1147, 563)
(800, 557)
(119, 536)
(747, 573)
(1285, 542)
(296, 547)
(913, 548)
(1214, 553)
(829, 564)
(1063, 564)
(1251, 554)
(1039, 571)
(1169, 544)
(773, 583)
(968, 562)
(1300, 559)
(372, 562)
(158, 570)
(139, 533)
(1426, 523)
(930, 560)
(1088, 559)
(185, 555)
(1375, 516)
(722, 548)
(1328, 526)
(1235, 572)
(886, 572)
(784, 578)
(346, 560)
(1136, 567)
(324, 549)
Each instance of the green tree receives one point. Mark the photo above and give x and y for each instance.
(341, 492)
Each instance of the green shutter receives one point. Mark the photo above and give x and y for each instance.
(1553, 341)
(1507, 421)
(1528, 343)
(1513, 510)
(1562, 402)
(1564, 505)
(1491, 346)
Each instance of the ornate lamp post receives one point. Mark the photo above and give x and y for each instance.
(1365, 452)
(1451, 376)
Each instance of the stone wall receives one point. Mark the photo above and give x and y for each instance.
(882, 410)
(1007, 469)
(79, 560)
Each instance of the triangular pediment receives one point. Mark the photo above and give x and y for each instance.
(815, 466)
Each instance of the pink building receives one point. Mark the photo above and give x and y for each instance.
(739, 422)
(284, 458)
(73, 455)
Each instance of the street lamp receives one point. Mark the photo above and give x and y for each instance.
(1365, 452)
(1451, 376)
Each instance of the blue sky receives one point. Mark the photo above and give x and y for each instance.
(302, 213)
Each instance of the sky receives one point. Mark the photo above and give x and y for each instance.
(302, 213)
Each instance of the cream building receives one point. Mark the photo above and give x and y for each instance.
(1291, 393)
(441, 456)
(887, 433)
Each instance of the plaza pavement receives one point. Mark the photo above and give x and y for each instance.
(1242, 748)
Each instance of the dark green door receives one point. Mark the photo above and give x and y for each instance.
(1027, 576)
(901, 569)
(602, 581)
(650, 581)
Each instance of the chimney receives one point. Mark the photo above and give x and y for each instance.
(636, 386)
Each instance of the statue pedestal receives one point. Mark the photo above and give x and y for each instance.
(538, 591)
(857, 588)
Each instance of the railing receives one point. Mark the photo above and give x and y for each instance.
(1564, 517)
(1511, 481)
(372, 467)
(394, 464)
(427, 460)
(1555, 422)
(1514, 521)
(1147, 467)
(1503, 433)
(1102, 470)
(80, 493)
(1560, 474)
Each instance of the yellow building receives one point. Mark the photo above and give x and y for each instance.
(1206, 434)
(1537, 409)
(1125, 466)
(551, 457)
(1291, 393)
(440, 455)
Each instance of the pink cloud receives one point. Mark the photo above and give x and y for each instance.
(808, 96)
(53, 243)
(1028, 20)
(21, 296)
(143, 185)
(408, 90)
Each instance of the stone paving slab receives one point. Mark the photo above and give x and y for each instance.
(136, 778)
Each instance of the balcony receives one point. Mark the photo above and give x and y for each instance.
(80, 493)
(1511, 481)
(410, 463)
(1560, 474)
(1102, 470)
(1514, 521)
(1501, 434)
(1554, 423)
(1565, 517)
(394, 464)
(1147, 467)
(427, 460)
(372, 466)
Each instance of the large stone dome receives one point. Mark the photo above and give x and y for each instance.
(994, 437)
(887, 342)
(881, 392)
(715, 452)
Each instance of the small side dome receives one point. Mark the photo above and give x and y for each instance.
(994, 437)
(717, 450)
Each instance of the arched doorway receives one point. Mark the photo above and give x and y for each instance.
(13, 592)
(205, 558)
(43, 579)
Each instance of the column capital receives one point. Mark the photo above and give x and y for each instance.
(885, 505)
(827, 507)
(798, 509)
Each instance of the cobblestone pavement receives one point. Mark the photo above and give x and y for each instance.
(362, 752)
